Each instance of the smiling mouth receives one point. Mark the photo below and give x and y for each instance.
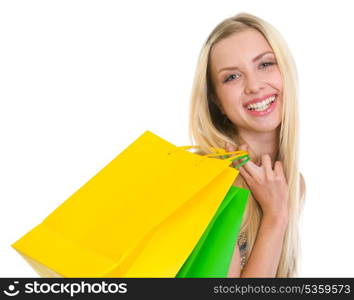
(262, 105)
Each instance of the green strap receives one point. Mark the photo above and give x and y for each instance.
(239, 157)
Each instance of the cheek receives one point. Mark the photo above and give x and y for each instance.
(277, 81)
(231, 98)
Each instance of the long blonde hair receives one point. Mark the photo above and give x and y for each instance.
(207, 128)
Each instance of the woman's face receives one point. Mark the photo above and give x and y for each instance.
(247, 81)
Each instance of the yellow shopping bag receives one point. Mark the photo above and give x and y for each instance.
(140, 216)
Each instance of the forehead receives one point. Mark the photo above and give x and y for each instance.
(237, 49)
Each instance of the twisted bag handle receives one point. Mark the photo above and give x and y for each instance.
(224, 154)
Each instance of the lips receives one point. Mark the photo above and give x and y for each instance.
(261, 111)
(257, 100)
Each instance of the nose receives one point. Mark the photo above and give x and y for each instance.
(253, 84)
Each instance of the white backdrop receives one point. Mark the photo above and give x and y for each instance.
(80, 80)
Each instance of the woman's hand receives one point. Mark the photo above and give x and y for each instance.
(268, 186)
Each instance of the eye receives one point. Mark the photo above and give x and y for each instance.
(232, 76)
(265, 65)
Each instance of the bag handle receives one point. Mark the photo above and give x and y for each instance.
(224, 154)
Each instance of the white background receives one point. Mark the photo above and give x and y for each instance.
(81, 80)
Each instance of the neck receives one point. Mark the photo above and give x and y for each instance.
(260, 143)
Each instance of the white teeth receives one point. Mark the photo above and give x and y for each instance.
(263, 105)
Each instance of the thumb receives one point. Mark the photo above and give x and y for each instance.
(243, 146)
(229, 147)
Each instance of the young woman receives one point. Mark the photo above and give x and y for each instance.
(244, 97)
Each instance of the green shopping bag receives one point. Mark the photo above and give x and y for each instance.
(212, 255)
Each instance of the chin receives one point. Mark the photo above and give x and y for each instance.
(265, 124)
(266, 127)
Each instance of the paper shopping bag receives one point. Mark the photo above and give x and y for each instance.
(212, 255)
(140, 216)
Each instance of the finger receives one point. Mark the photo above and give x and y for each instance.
(251, 168)
(245, 174)
(267, 166)
(278, 169)
(231, 148)
(242, 147)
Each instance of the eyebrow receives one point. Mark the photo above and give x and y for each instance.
(253, 60)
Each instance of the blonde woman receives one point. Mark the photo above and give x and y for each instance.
(244, 97)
